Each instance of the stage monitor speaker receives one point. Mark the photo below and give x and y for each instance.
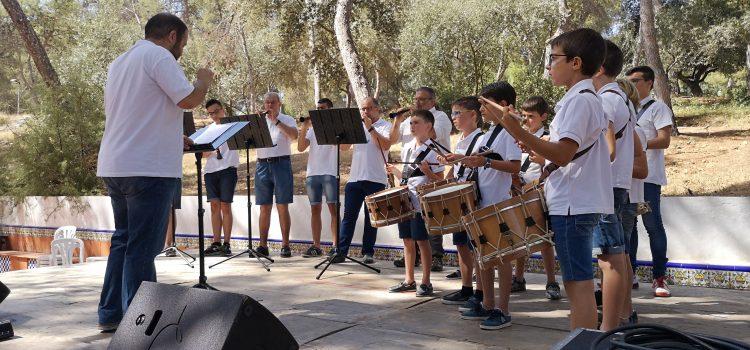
(579, 339)
(164, 316)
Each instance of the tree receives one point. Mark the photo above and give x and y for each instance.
(349, 55)
(32, 43)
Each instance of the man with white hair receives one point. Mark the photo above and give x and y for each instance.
(273, 174)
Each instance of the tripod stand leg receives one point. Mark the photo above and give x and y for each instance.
(251, 253)
(363, 264)
(329, 261)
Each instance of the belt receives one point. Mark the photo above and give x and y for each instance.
(273, 159)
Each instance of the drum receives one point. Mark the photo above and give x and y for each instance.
(532, 186)
(443, 207)
(510, 229)
(390, 206)
(423, 189)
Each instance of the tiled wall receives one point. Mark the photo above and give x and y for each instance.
(97, 244)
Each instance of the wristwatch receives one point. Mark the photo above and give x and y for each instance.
(487, 162)
(278, 122)
(371, 129)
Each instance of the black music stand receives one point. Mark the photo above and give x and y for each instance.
(188, 128)
(338, 126)
(205, 141)
(254, 135)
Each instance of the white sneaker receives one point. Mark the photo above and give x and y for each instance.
(660, 288)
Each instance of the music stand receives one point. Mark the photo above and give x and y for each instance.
(188, 128)
(338, 126)
(207, 141)
(254, 135)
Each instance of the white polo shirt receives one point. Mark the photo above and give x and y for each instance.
(409, 154)
(636, 186)
(443, 127)
(229, 158)
(143, 126)
(584, 186)
(321, 159)
(657, 116)
(534, 171)
(367, 158)
(494, 185)
(622, 116)
(461, 147)
(283, 143)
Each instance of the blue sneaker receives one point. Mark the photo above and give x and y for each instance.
(497, 320)
(479, 313)
(470, 304)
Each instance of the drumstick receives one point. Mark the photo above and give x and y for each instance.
(520, 118)
(458, 160)
(413, 163)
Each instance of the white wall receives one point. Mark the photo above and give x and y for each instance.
(707, 230)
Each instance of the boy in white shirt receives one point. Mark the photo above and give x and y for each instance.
(578, 188)
(220, 175)
(655, 118)
(321, 179)
(494, 182)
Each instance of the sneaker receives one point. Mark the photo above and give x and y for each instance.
(633, 319)
(263, 251)
(403, 287)
(660, 288)
(455, 275)
(368, 259)
(286, 252)
(312, 252)
(497, 320)
(424, 290)
(472, 303)
(552, 291)
(478, 313)
(331, 252)
(598, 298)
(635, 282)
(108, 327)
(170, 253)
(400, 262)
(337, 259)
(518, 285)
(437, 264)
(226, 249)
(456, 298)
(213, 249)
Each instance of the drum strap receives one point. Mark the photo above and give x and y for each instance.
(643, 109)
(462, 168)
(620, 133)
(527, 162)
(412, 170)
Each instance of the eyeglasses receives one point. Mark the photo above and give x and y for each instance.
(422, 99)
(457, 113)
(553, 55)
(636, 80)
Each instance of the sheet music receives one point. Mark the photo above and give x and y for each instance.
(210, 134)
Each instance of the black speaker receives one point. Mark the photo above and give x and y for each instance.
(580, 339)
(163, 316)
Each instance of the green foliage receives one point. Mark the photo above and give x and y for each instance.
(528, 82)
(57, 152)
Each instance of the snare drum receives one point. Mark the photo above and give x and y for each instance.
(390, 206)
(510, 229)
(443, 207)
(428, 187)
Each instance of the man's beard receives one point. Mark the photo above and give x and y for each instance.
(176, 50)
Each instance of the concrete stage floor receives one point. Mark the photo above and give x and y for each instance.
(349, 308)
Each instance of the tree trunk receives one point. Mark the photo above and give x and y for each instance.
(747, 68)
(349, 56)
(314, 63)
(566, 24)
(651, 49)
(694, 87)
(638, 50)
(377, 83)
(32, 43)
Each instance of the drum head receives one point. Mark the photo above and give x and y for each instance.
(388, 191)
(448, 189)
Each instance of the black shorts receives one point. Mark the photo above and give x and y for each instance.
(221, 184)
(177, 198)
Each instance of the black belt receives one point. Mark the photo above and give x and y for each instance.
(273, 159)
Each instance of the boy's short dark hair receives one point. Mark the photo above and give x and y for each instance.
(425, 115)
(326, 101)
(613, 61)
(161, 24)
(470, 103)
(212, 102)
(585, 43)
(535, 104)
(499, 91)
(646, 71)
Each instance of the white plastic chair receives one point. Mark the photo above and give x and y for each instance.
(65, 232)
(65, 247)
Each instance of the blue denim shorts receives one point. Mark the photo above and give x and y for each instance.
(274, 179)
(317, 185)
(221, 184)
(462, 238)
(628, 221)
(609, 237)
(573, 238)
(414, 229)
(177, 198)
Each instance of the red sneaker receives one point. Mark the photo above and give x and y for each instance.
(660, 288)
